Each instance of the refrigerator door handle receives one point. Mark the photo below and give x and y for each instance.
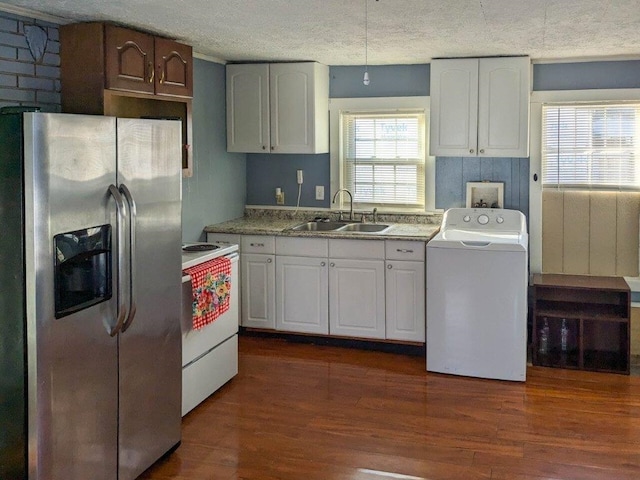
(132, 255)
(120, 227)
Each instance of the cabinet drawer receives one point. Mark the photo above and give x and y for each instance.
(401, 250)
(302, 247)
(258, 244)
(223, 238)
(366, 249)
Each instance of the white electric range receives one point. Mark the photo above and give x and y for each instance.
(210, 354)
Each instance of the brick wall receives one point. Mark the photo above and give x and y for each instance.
(23, 79)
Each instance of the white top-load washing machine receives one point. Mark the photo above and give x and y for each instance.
(477, 281)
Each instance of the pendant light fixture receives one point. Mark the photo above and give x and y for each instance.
(365, 80)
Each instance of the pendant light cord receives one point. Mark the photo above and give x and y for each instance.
(366, 34)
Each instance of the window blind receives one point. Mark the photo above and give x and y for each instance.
(593, 146)
(383, 158)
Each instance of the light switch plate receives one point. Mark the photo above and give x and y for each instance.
(319, 192)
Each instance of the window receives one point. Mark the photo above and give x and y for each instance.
(383, 158)
(379, 151)
(591, 145)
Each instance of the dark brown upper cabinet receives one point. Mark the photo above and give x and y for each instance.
(129, 59)
(111, 70)
(174, 64)
(138, 62)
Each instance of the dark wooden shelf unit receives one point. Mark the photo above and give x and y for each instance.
(597, 313)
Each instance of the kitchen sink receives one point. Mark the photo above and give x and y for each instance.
(364, 227)
(318, 226)
(340, 227)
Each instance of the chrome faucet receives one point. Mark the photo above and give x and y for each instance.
(350, 202)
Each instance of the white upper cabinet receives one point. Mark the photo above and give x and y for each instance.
(278, 108)
(248, 108)
(480, 107)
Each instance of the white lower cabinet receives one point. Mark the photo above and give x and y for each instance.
(405, 290)
(258, 291)
(405, 300)
(353, 288)
(356, 298)
(301, 294)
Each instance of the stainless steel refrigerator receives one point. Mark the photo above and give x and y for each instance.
(90, 277)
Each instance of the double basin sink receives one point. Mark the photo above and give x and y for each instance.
(342, 227)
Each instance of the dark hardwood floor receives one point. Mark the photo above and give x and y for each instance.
(300, 411)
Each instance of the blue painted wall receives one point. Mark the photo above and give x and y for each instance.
(266, 171)
(216, 192)
(586, 75)
(386, 81)
(453, 173)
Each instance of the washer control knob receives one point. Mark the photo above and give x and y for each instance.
(500, 220)
(483, 219)
(466, 218)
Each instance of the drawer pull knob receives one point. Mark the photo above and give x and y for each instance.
(322, 264)
(389, 266)
(269, 260)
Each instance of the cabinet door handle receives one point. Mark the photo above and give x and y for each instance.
(389, 266)
(471, 151)
(482, 150)
(257, 244)
(152, 72)
(162, 76)
(332, 264)
(273, 148)
(269, 260)
(322, 264)
(264, 147)
(404, 250)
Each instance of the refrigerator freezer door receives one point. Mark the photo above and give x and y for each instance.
(69, 162)
(149, 167)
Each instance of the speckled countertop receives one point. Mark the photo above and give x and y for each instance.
(280, 222)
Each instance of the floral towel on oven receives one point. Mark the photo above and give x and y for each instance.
(211, 286)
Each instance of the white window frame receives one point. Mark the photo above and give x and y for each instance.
(336, 105)
(538, 98)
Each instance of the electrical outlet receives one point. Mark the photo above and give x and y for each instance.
(319, 192)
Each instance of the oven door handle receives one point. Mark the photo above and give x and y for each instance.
(233, 257)
(121, 218)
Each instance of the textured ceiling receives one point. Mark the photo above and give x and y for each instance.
(399, 31)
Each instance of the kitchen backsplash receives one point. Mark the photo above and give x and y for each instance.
(453, 173)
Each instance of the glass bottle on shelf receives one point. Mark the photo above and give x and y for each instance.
(543, 340)
(564, 336)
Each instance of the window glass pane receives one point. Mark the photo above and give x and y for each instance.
(593, 146)
(383, 157)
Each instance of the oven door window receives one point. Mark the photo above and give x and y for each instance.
(82, 269)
